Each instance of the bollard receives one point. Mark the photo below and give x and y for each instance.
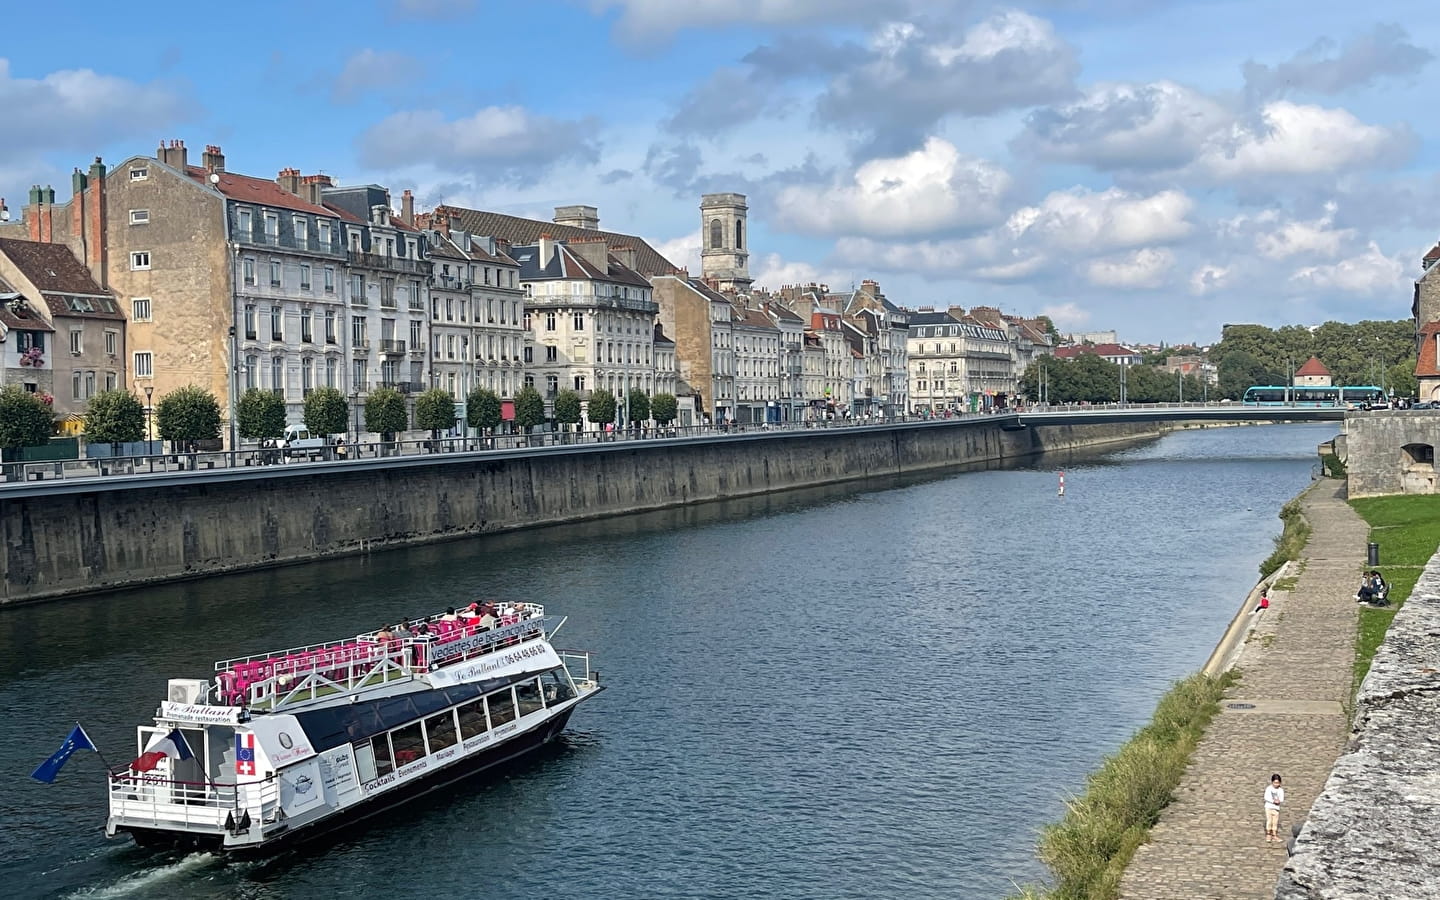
(1372, 554)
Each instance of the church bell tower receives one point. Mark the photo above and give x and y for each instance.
(724, 258)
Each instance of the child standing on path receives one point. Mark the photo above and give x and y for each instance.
(1274, 799)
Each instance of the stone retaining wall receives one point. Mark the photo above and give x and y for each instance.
(1371, 833)
(58, 544)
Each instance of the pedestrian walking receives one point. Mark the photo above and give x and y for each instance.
(1274, 799)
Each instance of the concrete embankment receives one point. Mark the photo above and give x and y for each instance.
(1371, 833)
(69, 538)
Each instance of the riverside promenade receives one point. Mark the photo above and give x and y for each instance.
(1286, 715)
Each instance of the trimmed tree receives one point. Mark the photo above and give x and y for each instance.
(567, 407)
(482, 409)
(435, 411)
(385, 412)
(602, 407)
(639, 405)
(260, 415)
(114, 417)
(26, 420)
(664, 408)
(529, 408)
(186, 415)
(326, 411)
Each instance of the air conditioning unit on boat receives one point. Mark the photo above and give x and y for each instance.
(187, 690)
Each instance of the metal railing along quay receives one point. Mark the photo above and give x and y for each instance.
(254, 458)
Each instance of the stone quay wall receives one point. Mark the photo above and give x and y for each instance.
(1371, 832)
(69, 539)
(1391, 452)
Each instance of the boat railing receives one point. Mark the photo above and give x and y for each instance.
(577, 663)
(270, 683)
(149, 799)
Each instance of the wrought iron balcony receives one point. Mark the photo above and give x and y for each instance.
(392, 348)
(390, 263)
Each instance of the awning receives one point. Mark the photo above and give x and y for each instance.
(507, 410)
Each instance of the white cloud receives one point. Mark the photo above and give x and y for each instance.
(1066, 316)
(369, 70)
(498, 143)
(1209, 278)
(1145, 268)
(1370, 273)
(935, 188)
(78, 109)
(650, 19)
(772, 271)
(1296, 139)
(1079, 219)
(683, 251)
(1117, 126)
(1317, 237)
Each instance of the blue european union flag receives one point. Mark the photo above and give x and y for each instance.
(78, 740)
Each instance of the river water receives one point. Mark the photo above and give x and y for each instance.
(833, 693)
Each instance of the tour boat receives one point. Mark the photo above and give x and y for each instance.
(280, 747)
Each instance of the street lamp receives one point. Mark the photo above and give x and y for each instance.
(149, 427)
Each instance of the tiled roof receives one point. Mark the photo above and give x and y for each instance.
(1427, 364)
(1313, 367)
(28, 322)
(247, 189)
(567, 264)
(753, 318)
(52, 268)
(660, 337)
(518, 231)
(931, 318)
(83, 307)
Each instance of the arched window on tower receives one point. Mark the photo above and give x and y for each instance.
(740, 234)
(717, 234)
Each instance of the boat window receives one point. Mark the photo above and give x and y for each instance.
(409, 744)
(384, 765)
(502, 709)
(440, 731)
(528, 695)
(555, 684)
(472, 719)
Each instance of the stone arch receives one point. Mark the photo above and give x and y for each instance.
(1435, 393)
(1418, 458)
(717, 234)
(739, 234)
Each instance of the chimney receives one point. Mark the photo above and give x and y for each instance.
(172, 154)
(38, 212)
(213, 160)
(96, 251)
(313, 188)
(587, 217)
(79, 237)
(442, 220)
(380, 214)
(592, 250)
(4, 211)
(407, 207)
(289, 180)
(625, 254)
(546, 248)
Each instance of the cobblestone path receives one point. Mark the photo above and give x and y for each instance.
(1285, 715)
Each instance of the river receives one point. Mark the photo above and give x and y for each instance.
(834, 693)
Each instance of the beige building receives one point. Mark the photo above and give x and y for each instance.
(42, 282)
(1313, 374)
(757, 367)
(702, 322)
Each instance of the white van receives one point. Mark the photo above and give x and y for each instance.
(299, 442)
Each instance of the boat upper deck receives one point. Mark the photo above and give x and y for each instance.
(276, 680)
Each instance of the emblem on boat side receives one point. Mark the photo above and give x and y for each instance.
(303, 784)
(285, 741)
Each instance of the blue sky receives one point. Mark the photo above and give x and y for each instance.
(1155, 166)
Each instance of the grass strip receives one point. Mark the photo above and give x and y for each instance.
(1087, 850)
(1407, 528)
(1290, 541)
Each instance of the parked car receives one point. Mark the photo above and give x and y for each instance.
(298, 442)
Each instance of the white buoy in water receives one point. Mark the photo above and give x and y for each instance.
(1062, 484)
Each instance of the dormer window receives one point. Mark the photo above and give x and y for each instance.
(139, 173)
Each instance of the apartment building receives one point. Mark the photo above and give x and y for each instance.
(757, 367)
(702, 321)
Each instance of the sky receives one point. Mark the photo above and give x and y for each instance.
(1157, 167)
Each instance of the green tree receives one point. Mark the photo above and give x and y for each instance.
(663, 408)
(601, 410)
(26, 420)
(186, 415)
(435, 411)
(639, 405)
(482, 409)
(1400, 378)
(529, 408)
(326, 411)
(114, 417)
(260, 414)
(567, 407)
(385, 412)
(1240, 369)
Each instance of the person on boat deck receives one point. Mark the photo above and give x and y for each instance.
(472, 614)
(384, 634)
(422, 630)
(402, 631)
(449, 615)
(487, 619)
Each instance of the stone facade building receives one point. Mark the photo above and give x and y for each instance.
(702, 322)
(724, 258)
(42, 282)
(757, 367)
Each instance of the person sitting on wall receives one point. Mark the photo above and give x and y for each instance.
(1264, 603)
(1373, 589)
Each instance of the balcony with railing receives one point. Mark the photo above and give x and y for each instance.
(360, 346)
(307, 244)
(404, 387)
(417, 351)
(388, 263)
(392, 347)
